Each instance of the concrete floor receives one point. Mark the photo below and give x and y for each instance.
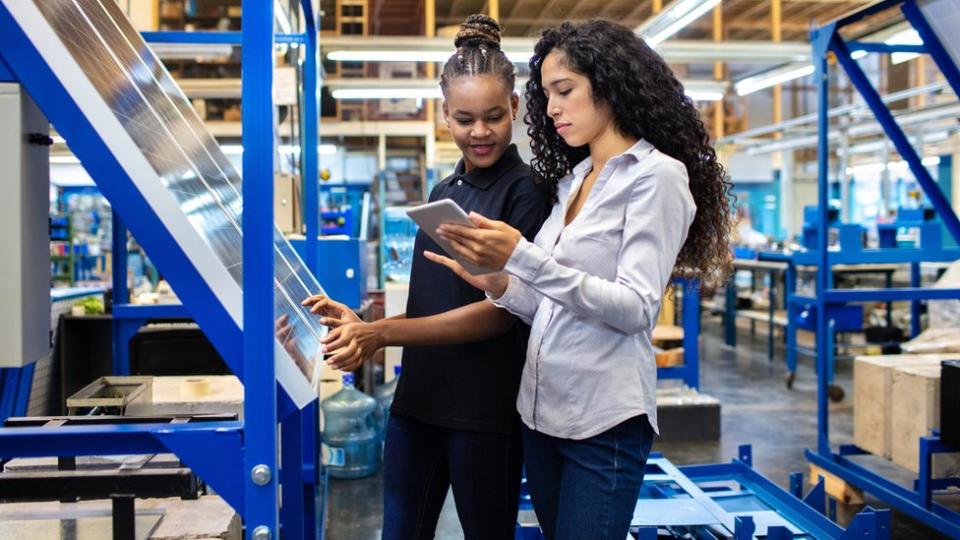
(757, 409)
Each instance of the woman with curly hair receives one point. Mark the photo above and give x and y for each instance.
(453, 423)
(640, 198)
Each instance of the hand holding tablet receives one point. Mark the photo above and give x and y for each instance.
(431, 215)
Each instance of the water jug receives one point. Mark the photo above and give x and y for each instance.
(351, 443)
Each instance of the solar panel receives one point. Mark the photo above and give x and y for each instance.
(138, 110)
(944, 18)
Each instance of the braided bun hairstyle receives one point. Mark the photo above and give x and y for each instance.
(478, 53)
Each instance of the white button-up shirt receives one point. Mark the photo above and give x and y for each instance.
(591, 292)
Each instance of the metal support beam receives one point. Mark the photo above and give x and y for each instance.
(259, 469)
(896, 134)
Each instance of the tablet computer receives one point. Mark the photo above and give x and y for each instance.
(431, 215)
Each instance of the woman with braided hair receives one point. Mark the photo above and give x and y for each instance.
(453, 422)
(641, 198)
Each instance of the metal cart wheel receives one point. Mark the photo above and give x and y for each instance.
(835, 393)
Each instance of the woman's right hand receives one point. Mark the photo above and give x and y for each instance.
(495, 283)
(332, 313)
(350, 345)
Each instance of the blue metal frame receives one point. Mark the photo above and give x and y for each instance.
(259, 400)
(918, 502)
(724, 498)
(225, 453)
(689, 372)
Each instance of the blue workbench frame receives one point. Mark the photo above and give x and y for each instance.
(709, 490)
(689, 372)
(224, 454)
(918, 502)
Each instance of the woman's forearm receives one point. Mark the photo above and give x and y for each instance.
(473, 322)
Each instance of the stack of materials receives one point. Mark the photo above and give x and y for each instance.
(896, 400)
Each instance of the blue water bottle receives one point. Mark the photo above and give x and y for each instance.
(351, 443)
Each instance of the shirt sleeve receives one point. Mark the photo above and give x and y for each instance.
(530, 204)
(519, 299)
(658, 216)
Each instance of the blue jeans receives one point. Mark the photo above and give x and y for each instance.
(422, 461)
(587, 488)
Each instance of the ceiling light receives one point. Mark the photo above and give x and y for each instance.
(906, 37)
(773, 77)
(64, 159)
(285, 149)
(231, 149)
(672, 19)
(704, 95)
(191, 51)
(386, 93)
(517, 57)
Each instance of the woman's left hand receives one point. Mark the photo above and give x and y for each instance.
(489, 245)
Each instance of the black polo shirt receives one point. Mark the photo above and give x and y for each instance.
(471, 386)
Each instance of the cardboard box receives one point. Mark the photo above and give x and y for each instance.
(872, 398)
(916, 411)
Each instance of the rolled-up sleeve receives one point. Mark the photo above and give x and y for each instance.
(658, 215)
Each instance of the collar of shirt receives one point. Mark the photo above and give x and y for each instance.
(570, 184)
(486, 177)
(638, 150)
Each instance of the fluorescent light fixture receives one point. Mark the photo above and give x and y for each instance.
(387, 93)
(191, 51)
(671, 19)
(900, 166)
(369, 88)
(906, 37)
(231, 149)
(64, 159)
(286, 149)
(866, 168)
(773, 77)
(704, 95)
(57, 139)
(517, 57)
(782, 74)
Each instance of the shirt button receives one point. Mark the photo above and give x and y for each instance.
(459, 182)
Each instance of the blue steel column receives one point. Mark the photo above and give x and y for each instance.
(821, 39)
(260, 387)
(914, 304)
(292, 477)
(691, 332)
(121, 295)
(790, 287)
(311, 96)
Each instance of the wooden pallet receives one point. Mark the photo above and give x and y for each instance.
(836, 487)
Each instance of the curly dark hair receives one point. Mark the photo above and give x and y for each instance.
(648, 102)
